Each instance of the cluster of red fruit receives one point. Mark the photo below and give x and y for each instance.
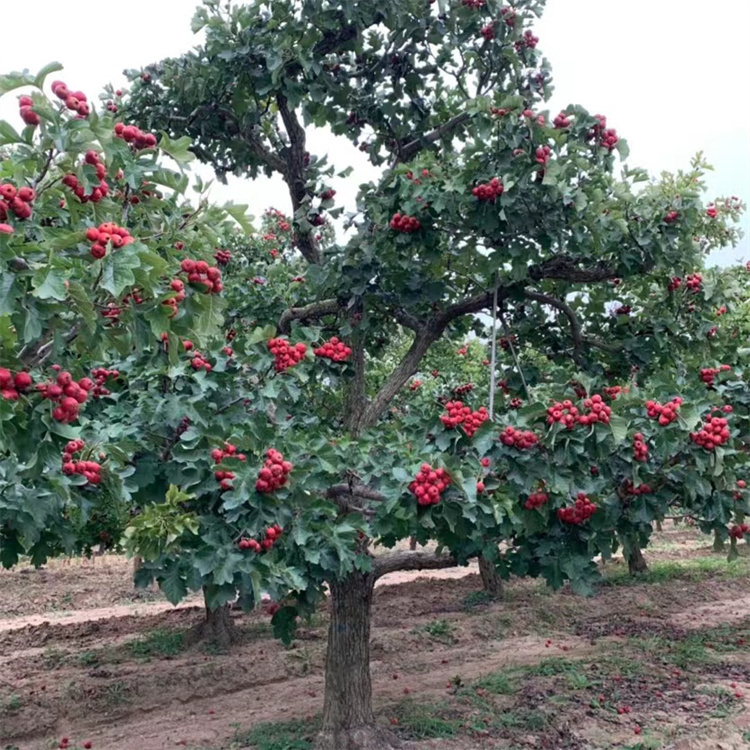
(335, 350)
(101, 375)
(598, 411)
(739, 530)
(429, 485)
(542, 154)
(628, 488)
(65, 744)
(16, 201)
(607, 137)
(613, 391)
(12, 386)
(521, 439)
(561, 121)
(199, 272)
(274, 472)
(563, 411)
(198, 362)
(622, 310)
(135, 136)
(640, 448)
(176, 285)
(67, 393)
(671, 217)
(488, 31)
(714, 432)
(404, 223)
(708, 374)
(91, 470)
(694, 282)
(74, 100)
(224, 478)
(711, 211)
(507, 342)
(102, 191)
(272, 535)
(474, 4)
(25, 104)
(579, 512)
(462, 390)
(666, 413)
(415, 384)
(515, 403)
(535, 500)
(106, 234)
(223, 257)
(285, 354)
(528, 40)
(741, 485)
(488, 191)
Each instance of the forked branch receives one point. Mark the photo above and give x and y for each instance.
(396, 561)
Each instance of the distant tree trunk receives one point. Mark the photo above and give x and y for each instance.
(217, 627)
(658, 525)
(348, 720)
(491, 580)
(137, 562)
(412, 543)
(636, 561)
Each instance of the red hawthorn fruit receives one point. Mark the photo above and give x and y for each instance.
(429, 484)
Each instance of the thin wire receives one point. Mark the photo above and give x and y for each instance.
(515, 356)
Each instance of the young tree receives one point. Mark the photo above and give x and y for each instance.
(308, 450)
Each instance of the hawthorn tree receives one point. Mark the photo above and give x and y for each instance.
(266, 430)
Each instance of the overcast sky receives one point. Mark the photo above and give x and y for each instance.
(670, 75)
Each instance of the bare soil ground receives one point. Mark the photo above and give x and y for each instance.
(662, 661)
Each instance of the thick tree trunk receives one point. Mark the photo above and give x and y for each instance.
(636, 561)
(348, 720)
(217, 628)
(491, 580)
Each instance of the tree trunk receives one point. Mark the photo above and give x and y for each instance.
(412, 543)
(636, 561)
(217, 628)
(658, 525)
(348, 720)
(491, 580)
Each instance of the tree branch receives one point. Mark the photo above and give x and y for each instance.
(564, 307)
(567, 268)
(411, 561)
(411, 149)
(308, 312)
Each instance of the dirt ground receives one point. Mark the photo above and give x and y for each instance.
(662, 661)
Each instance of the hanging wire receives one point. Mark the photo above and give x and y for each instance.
(493, 360)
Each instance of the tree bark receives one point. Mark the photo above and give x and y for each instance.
(348, 719)
(491, 580)
(636, 561)
(217, 628)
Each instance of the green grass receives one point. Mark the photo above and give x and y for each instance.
(440, 630)
(11, 704)
(692, 569)
(476, 599)
(288, 735)
(424, 721)
(158, 643)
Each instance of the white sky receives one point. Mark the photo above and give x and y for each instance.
(670, 75)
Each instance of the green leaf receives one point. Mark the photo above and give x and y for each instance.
(118, 275)
(178, 149)
(32, 327)
(284, 624)
(49, 283)
(52, 67)
(7, 295)
(8, 135)
(619, 426)
(173, 585)
(83, 304)
(240, 215)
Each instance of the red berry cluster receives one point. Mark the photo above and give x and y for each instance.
(707, 374)
(488, 191)
(488, 32)
(613, 391)
(628, 488)
(101, 375)
(515, 403)
(564, 412)
(272, 535)
(415, 384)
(456, 415)
(739, 530)
(506, 343)
(25, 104)
(98, 193)
(274, 472)
(561, 121)
(674, 284)
(16, 201)
(521, 439)
(91, 470)
(598, 411)
(429, 485)
(607, 137)
(12, 386)
(199, 272)
(74, 100)
(622, 310)
(223, 257)
(715, 431)
(286, 355)
(671, 217)
(224, 478)
(474, 421)
(528, 40)
(65, 744)
(581, 511)
(176, 285)
(334, 349)
(67, 394)
(666, 413)
(535, 500)
(404, 223)
(199, 362)
(461, 390)
(227, 350)
(474, 4)
(711, 211)
(135, 136)
(107, 234)
(542, 154)
(640, 447)
(694, 282)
